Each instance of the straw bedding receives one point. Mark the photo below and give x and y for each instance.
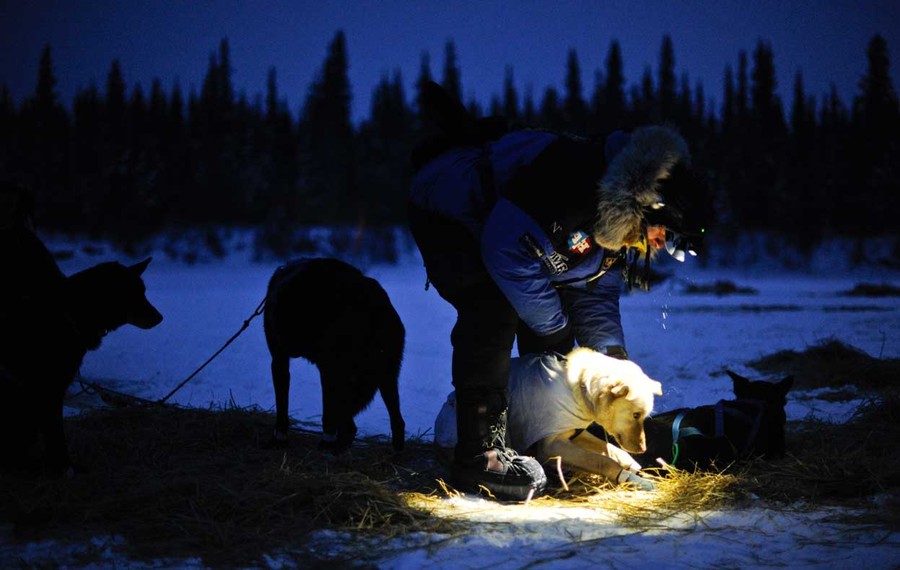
(187, 482)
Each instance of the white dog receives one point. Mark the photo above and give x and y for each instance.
(553, 400)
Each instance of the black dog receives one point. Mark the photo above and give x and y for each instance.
(707, 437)
(43, 340)
(328, 312)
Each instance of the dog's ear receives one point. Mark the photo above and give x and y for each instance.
(657, 387)
(784, 385)
(619, 389)
(738, 381)
(138, 268)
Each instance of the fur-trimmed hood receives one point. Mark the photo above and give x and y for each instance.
(631, 183)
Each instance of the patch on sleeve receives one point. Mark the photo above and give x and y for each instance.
(579, 242)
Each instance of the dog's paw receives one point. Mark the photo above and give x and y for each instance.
(339, 441)
(279, 440)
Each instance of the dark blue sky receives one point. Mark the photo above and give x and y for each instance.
(172, 40)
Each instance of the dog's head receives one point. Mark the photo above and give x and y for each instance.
(110, 295)
(770, 392)
(773, 396)
(618, 393)
(140, 312)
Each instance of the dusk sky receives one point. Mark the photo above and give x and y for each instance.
(172, 40)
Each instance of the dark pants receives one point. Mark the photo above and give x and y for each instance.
(485, 328)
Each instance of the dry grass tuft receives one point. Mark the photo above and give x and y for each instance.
(677, 492)
(835, 463)
(719, 288)
(873, 290)
(202, 483)
(832, 363)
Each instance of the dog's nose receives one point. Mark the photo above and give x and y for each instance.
(637, 446)
(147, 318)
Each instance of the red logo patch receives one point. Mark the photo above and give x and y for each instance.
(579, 242)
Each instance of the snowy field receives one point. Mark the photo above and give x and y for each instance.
(685, 341)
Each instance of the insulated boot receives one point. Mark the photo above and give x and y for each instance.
(483, 463)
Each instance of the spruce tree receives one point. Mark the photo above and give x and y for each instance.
(385, 150)
(550, 115)
(327, 143)
(529, 113)
(451, 80)
(643, 101)
(510, 108)
(423, 78)
(612, 111)
(89, 168)
(728, 100)
(115, 109)
(767, 207)
(574, 108)
(278, 200)
(876, 120)
(681, 114)
(833, 160)
(665, 109)
(45, 142)
(804, 184)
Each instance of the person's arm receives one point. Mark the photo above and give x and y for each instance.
(594, 312)
(518, 272)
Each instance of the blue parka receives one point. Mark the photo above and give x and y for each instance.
(553, 281)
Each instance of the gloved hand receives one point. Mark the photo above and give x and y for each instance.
(617, 351)
(564, 345)
(562, 341)
(636, 480)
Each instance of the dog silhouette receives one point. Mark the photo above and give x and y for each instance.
(43, 340)
(328, 312)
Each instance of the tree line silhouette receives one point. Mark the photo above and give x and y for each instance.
(126, 164)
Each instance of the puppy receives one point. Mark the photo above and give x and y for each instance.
(43, 340)
(328, 312)
(553, 400)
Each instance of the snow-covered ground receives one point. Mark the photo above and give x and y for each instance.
(685, 341)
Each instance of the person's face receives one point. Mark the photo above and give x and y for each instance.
(656, 236)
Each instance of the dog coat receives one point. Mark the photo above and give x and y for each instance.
(541, 402)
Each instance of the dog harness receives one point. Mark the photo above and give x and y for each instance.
(755, 410)
(678, 432)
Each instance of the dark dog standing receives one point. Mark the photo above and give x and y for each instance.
(328, 312)
(751, 425)
(44, 340)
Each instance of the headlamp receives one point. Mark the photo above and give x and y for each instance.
(677, 244)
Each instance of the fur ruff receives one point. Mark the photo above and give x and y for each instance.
(631, 184)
